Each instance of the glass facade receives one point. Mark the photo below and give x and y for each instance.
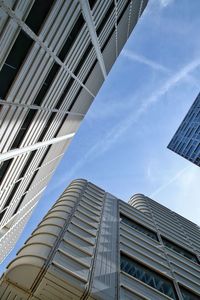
(138, 227)
(148, 276)
(180, 250)
(188, 295)
(186, 141)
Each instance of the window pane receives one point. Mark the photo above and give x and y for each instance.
(10, 198)
(14, 62)
(48, 124)
(148, 276)
(71, 37)
(92, 3)
(33, 177)
(24, 128)
(47, 83)
(4, 167)
(188, 295)
(106, 17)
(22, 198)
(83, 59)
(179, 250)
(139, 227)
(38, 14)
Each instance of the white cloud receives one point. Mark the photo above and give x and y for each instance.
(157, 4)
(183, 194)
(141, 59)
(177, 176)
(111, 107)
(165, 3)
(112, 136)
(170, 83)
(154, 65)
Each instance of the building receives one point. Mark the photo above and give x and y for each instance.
(91, 245)
(186, 141)
(54, 57)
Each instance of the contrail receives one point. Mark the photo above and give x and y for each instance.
(117, 131)
(139, 58)
(162, 187)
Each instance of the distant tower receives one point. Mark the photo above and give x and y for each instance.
(54, 57)
(91, 245)
(186, 140)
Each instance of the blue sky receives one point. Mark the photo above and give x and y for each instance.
(122, 143)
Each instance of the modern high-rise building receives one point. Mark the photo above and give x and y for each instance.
(54, 57)
(91, 245)
(186, 140)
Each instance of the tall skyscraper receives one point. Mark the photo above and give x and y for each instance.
(54, 57)
(186, 140)
(91, 245)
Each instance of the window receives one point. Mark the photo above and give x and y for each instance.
(24, 128)
(188, 295)
(75, 98)
(44, 131)
(113, 29)
(71, 37)
(138, 227)
(47, 83)
(197, 161)
(148, 276)
(92, 3)
(17, 183)
(9, 199)
(25, 193)
(90, 71)
(123, 11)
(83, 59)
(38, 14)
(24, 170)
(31, 155)
(64, 93)
(14, 62)
(4, 167)
(180, 250)
(107, 40)
(31, 114)
(105, 18)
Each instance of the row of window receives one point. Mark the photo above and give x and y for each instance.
(35, 20)
(153, 279)
(169, 244)
(179, 250)
(18, 60)
(32, 154)
(7, 163)
(138, 227)
(15, 60)
(54, 70)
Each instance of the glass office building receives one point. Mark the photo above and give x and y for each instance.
(54, 57)
(186, 141)
(91, 245)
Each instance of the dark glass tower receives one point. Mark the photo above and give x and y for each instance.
(186, 140)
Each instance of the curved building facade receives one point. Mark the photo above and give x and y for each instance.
(54, 57)
(91, 245)
(139, 201)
